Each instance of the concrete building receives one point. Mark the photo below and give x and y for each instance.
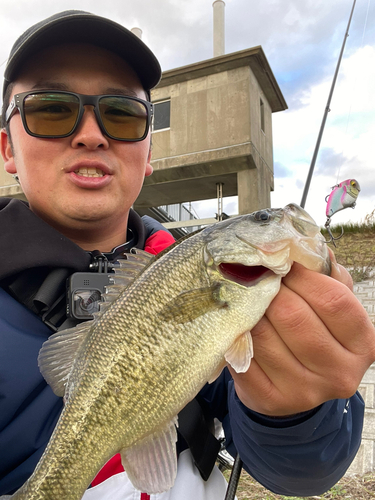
(213, 124)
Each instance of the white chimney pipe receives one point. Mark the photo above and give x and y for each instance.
(219, 28)
(137, 32)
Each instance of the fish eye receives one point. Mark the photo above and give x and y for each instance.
(262, 216)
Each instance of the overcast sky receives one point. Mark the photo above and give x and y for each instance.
(302, 41)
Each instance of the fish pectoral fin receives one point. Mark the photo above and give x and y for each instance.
(240, 353)
(58, 353)
(191, 304)
(151, 464)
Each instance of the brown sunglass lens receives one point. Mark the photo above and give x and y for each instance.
(123, 118)
(51, 115)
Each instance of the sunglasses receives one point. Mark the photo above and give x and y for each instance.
(52, 114)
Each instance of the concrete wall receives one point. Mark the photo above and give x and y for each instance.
(365, 459)
(215, 134)
(207, 113)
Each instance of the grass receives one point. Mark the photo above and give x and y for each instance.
(356, 249)
(365, 226)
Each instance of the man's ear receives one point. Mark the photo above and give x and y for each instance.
(7, 152)
(149, 168)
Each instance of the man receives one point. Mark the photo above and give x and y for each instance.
(294, 417)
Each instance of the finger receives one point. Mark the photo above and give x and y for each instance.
(286, 376)
(303, 332)
(291, 382)
(338, 272)
(270, 351)
(336, 306)
(277, 383)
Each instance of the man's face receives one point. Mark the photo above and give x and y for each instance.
(52, 172)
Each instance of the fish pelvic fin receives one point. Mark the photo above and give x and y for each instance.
(58, 353)
(191, 304)
(240, 353)
(151, 464)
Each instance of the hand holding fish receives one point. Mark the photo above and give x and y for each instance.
(314, 344)
(171, 324)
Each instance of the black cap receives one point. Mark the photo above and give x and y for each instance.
(84, 27)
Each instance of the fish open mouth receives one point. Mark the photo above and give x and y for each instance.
(244, 275)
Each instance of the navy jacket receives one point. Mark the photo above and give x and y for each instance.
(304, 455)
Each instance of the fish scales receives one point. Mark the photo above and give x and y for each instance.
(123, 342)
(160, 341)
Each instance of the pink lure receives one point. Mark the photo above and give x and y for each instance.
(343, 195)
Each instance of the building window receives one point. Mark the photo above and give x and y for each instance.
(162, 115)
(262, 115)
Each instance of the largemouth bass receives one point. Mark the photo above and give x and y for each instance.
(160, 337)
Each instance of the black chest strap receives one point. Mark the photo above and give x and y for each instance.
(197, 429)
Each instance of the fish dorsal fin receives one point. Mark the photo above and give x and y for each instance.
(191, 304)
(103, 307)
(240, 353)
(128, 268)
(126, 272)
(141, 256)
(134, 263)
(58, 353)
(151, 464)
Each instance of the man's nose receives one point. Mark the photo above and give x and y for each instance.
(89, 133)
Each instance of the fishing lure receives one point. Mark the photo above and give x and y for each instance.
(343, 195)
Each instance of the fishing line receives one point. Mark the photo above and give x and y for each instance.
(326, 111)
(352, 91)
(365, 27)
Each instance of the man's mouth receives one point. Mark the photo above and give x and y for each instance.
(89, 172)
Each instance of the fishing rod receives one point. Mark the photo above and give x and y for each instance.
(327, 110)
(237, 466)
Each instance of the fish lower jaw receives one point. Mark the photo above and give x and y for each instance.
(281, 269)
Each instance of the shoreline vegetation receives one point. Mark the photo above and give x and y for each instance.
(356, 249)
